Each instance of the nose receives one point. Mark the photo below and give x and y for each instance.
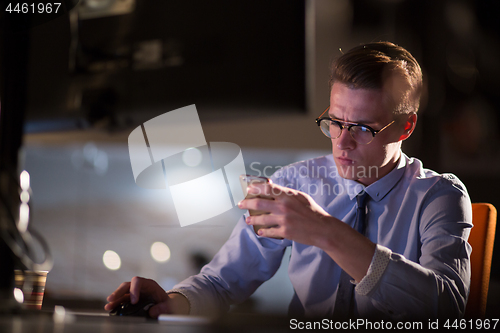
(345, 140)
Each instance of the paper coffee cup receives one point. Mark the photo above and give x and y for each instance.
(32, 284)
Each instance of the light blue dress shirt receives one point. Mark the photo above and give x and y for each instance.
(419, 219)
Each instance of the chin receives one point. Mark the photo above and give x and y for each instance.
(360, 173)
(347, 172)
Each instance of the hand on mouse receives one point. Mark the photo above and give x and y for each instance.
(140, 287)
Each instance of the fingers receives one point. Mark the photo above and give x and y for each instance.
(133, 290)
(262, 197)
(277, 192)
(113, 304)
(140, 286)
(263, 220)
(123, 289)
(278, 206)
(121, 294)
(273, 232)
(266, 189)
(258, 204)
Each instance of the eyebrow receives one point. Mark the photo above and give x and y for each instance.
(363, 122)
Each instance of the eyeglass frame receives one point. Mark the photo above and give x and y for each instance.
(349, 125)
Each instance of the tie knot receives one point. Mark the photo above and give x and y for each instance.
(361, 199)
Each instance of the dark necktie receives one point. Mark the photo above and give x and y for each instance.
(343, 302)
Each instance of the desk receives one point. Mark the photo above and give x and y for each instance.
(44, 322)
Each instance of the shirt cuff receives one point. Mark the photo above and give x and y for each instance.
(192, 304)
(377, 268)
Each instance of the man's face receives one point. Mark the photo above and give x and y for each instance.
(364, 162)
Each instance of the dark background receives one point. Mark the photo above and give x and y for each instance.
(220, 54)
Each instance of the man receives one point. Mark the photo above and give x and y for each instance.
(367, 213)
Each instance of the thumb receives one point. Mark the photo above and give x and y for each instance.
(158, 309)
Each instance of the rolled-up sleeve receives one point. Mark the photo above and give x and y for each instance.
(437, 286)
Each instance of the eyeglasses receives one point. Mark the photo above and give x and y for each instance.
(362, 134)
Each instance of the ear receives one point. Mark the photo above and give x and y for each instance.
(409, 126)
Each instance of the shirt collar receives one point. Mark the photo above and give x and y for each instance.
(381, 187)
(353, 188)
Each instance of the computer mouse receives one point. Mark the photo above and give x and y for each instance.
(140, 309)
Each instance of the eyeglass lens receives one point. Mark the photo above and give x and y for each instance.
(359, 133)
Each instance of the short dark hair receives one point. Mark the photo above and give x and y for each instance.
(385, 66)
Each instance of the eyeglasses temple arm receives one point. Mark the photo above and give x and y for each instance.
(321, 115)
(383, 128)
